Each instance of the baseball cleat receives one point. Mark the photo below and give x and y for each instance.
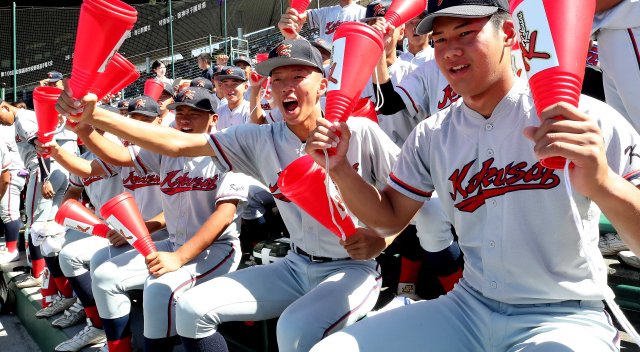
(72, 316)
(30, 282)
(134, 346)
(90, 335)
(611, 244)
(59, 305)
(630, 259)
(408, 289)
(8, 257)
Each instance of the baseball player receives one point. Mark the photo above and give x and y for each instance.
(526, 285)
(166, 98)
(245, 64)
(326, 19)
(10, 204)
(317, 289)
(202, 83)
(420, 51)
(54, 79)
(218, 97)
(42, 199)
(5, 170)
(234, 84)
(202, 208)
(617, 30)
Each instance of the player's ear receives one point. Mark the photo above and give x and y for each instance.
(214, 119)
(510, 33)
(401, 33)
(322, 87)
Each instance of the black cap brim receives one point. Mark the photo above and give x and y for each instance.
(265, 67)
(54, 79)
(145, 113)
(465, 11)
(235, 62)
(173, 106)
(320, 46)
(367, 19)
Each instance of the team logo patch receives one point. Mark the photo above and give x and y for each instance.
(125, 105)
(439, 2)
(379, 10)
(49, 75)
(332, 27)
(449, 97)
(89, 180)
(174, 184)
(188, 95)
(200, 84)
(139, 104)
(284, 50)
(534, 34)
(134, 181)
(229, 71)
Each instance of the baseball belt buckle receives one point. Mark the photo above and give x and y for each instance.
(311, 257)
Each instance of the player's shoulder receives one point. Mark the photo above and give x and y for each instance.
(608, 118)
(361, 125)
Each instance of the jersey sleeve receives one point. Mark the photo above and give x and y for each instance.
(145, 162)
(233, 186)
(411, 175)
(414, 92)
(237, 148)
(27, 127)
(5, 159)
(109, 169)
(316, 17)
(75, 181)
(381, 151)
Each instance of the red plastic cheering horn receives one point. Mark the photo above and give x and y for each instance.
(102, 28)
(119, 71)
(402, 11)
(300, 6)
(44, 104)
(73, 215)
(303, 183)
(153, 88)
(123, 215)
(256, 77)
(366, 108)
(554, 40)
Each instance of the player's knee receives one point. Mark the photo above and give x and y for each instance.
(98, 259)
(157, 294)
(190, 322)
(294, 332)
(104, 278)
(67, 264)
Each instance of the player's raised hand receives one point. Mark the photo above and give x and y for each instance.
(384, 27)
(48, 148)
(256, 83)
(68, 106)
(365, 244)
(324, 136)
(160, 263)
(291, 23)
(222, 59)
(576, 137)
(80, 128)
(116, 239)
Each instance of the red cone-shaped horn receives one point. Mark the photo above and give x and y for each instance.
(303, 183)
(73, 215)
(554, 40)
(153, 88)
(123, 214)
(118, 71)
(44, 103)
(102, 27)
(366, 108)
(300, 6)
(402, 11)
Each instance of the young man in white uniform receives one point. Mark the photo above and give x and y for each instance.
(326, 19)
(236, 112)
(420, 51)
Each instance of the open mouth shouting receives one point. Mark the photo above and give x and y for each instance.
(290, 105)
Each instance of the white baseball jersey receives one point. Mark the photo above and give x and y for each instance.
(5, 158)
(425, 91)
(329, 18)
(100, 189)
(168, 120)
(512, 215)
(8, 135)
(218, 103)
(26, 128)
(240, 115)
(420, 58)
(144, 189)
(263, 151)
(66, 135)
(191, 188)
(624, 15)
(399, 125)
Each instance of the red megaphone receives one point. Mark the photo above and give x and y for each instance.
(118, 71)
(300, 6)
(303, 183)
(123, 215)
(554, 40)
(402, 11)
(73, 215)
(365, 108)
(255, 76)
(153, 88)
(44, 103)
(102, 27)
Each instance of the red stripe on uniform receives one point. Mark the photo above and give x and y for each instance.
(9, 190)
(635, 46)
(224, 156)
(409, 188)
(408, 95)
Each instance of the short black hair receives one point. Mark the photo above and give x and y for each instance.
(19, 104)
(206, 57)
(157, 64)
(499, 18)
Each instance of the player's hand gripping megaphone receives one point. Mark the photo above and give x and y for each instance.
(73, 215)
(402, 11)
(123, 215)
(300, 6)
(554, 40)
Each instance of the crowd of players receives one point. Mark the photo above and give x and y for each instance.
(455, 117)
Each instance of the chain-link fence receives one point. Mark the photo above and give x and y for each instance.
(45, 38)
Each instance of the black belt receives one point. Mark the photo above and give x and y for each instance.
(314, 258)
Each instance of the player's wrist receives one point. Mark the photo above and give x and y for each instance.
(340, 169)
(612, 187)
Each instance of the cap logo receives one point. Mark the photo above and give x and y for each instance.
(284, 50)
(125, 104)
(200, 83)
(49, 75)
(219, 68)
(379, 10)
(188, 94)
(139, 104)
(229, 71)
(439, 2)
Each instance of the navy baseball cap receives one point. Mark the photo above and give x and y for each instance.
(123, 104)
(202, 83)
(242, 59)
(144, 105)
(194, 97)
(168, 88)
(232, 72)
(217, 70)
(376, 9)
(459, 8)
(321, 43)
(54, 76)
(110, 108)
(291, 52)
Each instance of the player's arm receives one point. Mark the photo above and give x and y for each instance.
(578, 137)
(292, 20)
(366, 244)
(157, 139)
(160, 263)
(72, 193)
(105, 149)
(75, 165)
(602, 5)
(257, 114)
(387, 212)
(156, 224)
(4, 182)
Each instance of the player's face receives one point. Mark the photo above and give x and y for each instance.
(216, 83)
(469, 53)
(296, 91)
(410, 32)
(164, 100)
(6, 116)
(233, 90)
(148, 119)
(245, 67)
(192, 120)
